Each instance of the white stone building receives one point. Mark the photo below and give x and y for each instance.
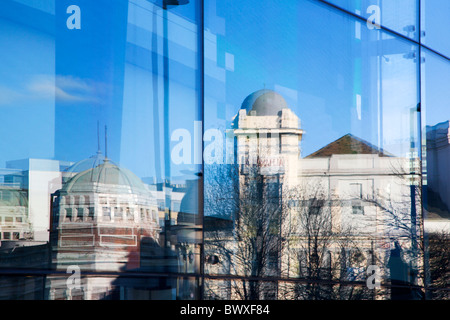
(366, 192)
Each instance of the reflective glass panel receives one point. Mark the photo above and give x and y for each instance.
(436, 197)
(401, 16)
(94, 91)
(311, 154)
(224, 150)
(435, 26)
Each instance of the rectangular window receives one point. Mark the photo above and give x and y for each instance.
(129, 213)
(356, 190)
(91, 213)
(106, 213)
(118, 213)
(80, 214)
(357, 207)
(68, 214)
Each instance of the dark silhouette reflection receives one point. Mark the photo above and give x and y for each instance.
(151, 279)
(166, 269)
(186, 238)
(28, 257)
(400, 273)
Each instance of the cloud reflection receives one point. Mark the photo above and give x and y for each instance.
(63, 89)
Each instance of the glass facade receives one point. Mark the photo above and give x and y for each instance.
(204, 150)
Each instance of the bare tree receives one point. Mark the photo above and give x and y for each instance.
(403, 219)
(327, 254)
(439, 260)
(251, 249)
(279, 242)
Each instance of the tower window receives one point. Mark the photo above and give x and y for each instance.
(91, 214)
(69, 214)
(118, 213)
(107, 213)
(80, 212)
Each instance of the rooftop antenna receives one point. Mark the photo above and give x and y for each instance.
(106, 143)
(98, 138)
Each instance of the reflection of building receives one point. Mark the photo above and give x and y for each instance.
(349, 169)
(438, 175)
(268, 136)
(14, 224)
(18, 247)
(104, 219)
(100, 218)
(40, 177)
(355, 172)
(360, 186)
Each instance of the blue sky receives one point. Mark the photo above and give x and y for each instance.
(57, 84)
(311, 55)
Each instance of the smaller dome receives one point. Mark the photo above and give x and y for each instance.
(12, 197)
(265, 103)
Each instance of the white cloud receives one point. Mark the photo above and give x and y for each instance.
(65, 88)
(50, 87)
(8, 95)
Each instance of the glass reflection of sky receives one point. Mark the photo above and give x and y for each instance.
(316, 59)
(56, 84)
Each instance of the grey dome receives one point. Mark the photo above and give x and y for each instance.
(265, 103)
(107, 174)
(86, 164)
(13, 197)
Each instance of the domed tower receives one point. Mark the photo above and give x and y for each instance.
(83, 165)
(268, 137)
(100, 217)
